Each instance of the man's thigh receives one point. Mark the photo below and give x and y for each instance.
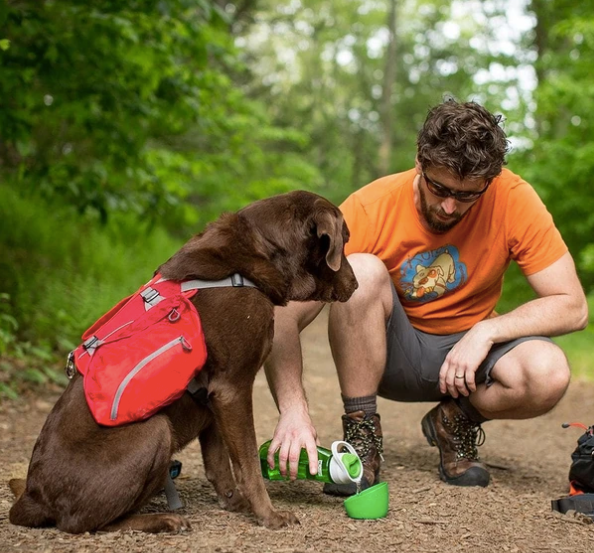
(414, 359)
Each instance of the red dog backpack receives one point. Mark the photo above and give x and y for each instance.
(142, 354)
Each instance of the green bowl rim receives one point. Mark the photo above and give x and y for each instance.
(383, 509)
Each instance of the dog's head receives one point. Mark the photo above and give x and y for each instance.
(291, 246)
(303, 235)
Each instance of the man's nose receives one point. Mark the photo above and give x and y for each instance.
(448, 205)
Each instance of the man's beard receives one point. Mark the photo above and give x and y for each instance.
(429, 213)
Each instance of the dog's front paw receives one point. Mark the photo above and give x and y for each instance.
(279, 519)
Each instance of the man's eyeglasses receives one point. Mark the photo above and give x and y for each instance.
(442, 191)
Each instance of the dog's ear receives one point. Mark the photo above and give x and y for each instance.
(329, 225)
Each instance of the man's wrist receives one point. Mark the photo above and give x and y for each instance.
(487, 330)
(294, 407)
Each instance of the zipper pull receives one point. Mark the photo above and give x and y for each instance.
(185, 344)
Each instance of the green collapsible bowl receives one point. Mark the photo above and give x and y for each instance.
(370, 503)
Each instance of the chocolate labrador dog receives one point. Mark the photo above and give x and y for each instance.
(86, 477)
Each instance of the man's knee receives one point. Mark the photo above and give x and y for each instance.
(374, 280)
(553, 375)
(542, 374)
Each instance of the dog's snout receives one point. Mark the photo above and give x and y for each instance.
(345, 282)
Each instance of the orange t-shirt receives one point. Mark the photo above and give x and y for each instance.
(449, 282)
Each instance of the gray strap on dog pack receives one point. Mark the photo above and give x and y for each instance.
(236, 281)
(151, 297)
(173, 499)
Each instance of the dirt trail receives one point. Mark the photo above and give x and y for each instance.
(529, 461)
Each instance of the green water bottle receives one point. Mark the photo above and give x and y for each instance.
(339, 464)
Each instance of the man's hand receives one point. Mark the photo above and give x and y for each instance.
(457, 374)
(293, 432)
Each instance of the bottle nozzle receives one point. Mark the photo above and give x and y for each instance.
(352, 464)
(345, 466)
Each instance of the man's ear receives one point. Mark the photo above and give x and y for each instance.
(330, 225)
(418, 165)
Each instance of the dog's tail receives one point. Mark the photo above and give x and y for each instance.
(17, 486)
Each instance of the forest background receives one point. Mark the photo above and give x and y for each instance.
(126, 126)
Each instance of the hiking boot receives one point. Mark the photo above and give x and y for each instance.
(457, 437)
(364, 433)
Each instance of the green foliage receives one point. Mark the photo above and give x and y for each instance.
(63, 273)
(86, 88)
(7, 391)
(129, 106)
(561, 162)
(322, 64)
(516, 290)
(21, 363)
(578, 348)
(8, 324)
(120, 126)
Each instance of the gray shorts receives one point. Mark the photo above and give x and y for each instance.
(415, 358)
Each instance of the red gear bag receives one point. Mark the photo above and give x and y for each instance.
(142, 354)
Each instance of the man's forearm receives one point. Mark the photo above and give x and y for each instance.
(560, 308)
(284, 366)
(548, 316)
(284, 372)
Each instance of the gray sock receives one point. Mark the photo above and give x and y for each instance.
(367, 404)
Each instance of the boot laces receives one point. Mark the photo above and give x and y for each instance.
(362, 436)
(468, 436)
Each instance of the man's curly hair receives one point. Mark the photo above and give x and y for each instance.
(463, 138)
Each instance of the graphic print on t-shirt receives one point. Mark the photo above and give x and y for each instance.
(430, 275)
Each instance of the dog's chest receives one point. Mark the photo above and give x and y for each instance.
(237, 324)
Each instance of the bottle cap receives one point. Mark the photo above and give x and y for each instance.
(345, 466)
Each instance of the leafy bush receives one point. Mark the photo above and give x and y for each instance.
(8, 324)
(60, 274)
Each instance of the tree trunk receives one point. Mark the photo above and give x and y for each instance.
(385, 152)
(539, 9)
(540, 36)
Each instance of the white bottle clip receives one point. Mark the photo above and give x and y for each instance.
(339, 472)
